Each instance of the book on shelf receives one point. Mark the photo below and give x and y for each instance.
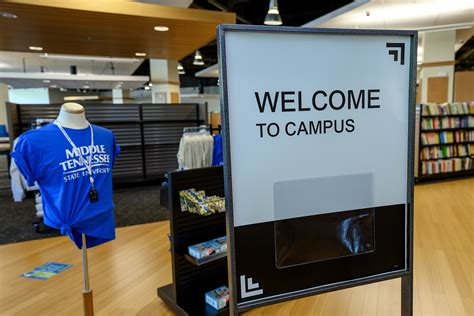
(456, 108)
(446, 137)
(448, 151)
(434, 123)
(446, 166)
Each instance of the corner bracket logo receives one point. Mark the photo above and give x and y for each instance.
(248, 289)
(398, 51)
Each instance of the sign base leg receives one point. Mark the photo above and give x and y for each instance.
(407, 295)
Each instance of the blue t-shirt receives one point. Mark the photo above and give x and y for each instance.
(45, 156)
(217, 157)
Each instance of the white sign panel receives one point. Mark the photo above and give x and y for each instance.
(309, 106)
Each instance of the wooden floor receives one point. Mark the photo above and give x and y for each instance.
(126, 272)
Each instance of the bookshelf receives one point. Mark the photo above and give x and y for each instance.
(446, 141)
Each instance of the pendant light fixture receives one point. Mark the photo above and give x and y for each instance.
(181, 69)
(198, 61)
(273, 15)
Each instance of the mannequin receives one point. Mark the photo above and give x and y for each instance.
(72, 161)
(72, 115)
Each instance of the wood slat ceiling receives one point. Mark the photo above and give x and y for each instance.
(107, 28)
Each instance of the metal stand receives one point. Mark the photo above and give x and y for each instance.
(407, 295)
(87, 293)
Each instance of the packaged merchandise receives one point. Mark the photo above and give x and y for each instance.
(208, 248)
(198, 202)
(202, 250)
(218, 298)
(220, 244)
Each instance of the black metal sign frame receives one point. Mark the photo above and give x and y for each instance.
(405, 274)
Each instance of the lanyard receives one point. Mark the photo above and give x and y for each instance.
(88, 163)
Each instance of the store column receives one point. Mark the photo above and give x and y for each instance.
(119, 96)
(437, 68)
(165, 79)
(3, 105)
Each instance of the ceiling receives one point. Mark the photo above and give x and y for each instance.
(32, 62)
(293, 13)
(120, 28)
(31, 70)
(20, 80)
(171, 3)
(403, 14)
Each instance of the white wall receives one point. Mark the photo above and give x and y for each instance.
(29, 96)
(213, 101)
(57, 96)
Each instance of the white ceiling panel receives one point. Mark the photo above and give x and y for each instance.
(32, 62)
(23, 70)
(68, 81)
(402, 14)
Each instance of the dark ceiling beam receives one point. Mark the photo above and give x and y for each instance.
(225, 9)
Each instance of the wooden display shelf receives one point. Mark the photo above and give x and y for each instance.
(205, 260)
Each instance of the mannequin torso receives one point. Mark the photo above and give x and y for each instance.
(72, 115)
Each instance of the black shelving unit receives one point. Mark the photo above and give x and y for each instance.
(192, 278)
(445, 144)
(443, 115)
(446, 175)
(448, 129)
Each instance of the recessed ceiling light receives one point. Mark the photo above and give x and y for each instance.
(86, 87)
(53, 86)
(273, 16)
(140, 54)
(147, 88)
(198, 61)
(161, 28)
(38, 48)
(46, 81)
(8, 15)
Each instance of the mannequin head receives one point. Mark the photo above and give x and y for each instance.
(71, 107)
(72, 115)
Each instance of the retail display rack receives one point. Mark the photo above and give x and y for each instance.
(148, 134)
(446, 141)
(192, 278)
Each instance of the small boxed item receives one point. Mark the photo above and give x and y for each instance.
(218, 298)
(202, 250)
(220, 244)
(208, 248)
